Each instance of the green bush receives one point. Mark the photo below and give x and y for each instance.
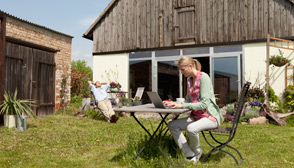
(289, 97)
(251, 114)
(290, 121)
(80, 75)
(255, 94)
(276, 102)
(230, 108)
(76, 101)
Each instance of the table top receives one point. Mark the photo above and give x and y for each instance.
(150, 108)
(117, 92)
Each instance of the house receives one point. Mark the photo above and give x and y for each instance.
(34, 59)
(228, 37)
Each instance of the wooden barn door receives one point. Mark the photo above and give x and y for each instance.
(32, 72)
(185, 25)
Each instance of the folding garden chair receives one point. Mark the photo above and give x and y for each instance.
(139, 92)
(229, 131)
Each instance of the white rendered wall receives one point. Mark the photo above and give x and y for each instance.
(255, 66)
(117, 63)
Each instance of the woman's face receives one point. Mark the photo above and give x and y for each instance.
(186, 70)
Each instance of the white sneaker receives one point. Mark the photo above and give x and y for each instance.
(193, 159)
(198, 155)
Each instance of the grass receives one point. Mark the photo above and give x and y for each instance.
(68, 141)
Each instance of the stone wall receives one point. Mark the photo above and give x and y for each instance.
(40, 35)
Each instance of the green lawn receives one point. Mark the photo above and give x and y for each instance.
(68, 141)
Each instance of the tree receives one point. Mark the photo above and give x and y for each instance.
(80, 75)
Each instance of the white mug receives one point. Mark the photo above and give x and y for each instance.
(180, 100)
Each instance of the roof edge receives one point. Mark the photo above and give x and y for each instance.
(89, 33)
(40, 26)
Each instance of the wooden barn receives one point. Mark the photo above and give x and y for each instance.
(33, 60)
(228, 37)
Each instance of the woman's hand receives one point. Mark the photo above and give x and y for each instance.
(172, 104)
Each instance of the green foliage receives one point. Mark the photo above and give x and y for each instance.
(252, 113)
(137, 99)
(76, 101)
(80, 75)
(94, 114)
(13, 106)
(276, 102)
(289, 97)
(81, 66)
(278, 59)
(230, 108)
(255, 93)
(290, 121)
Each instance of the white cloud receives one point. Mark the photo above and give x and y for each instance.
(87, 21)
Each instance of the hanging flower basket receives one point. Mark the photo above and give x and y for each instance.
(278, 60)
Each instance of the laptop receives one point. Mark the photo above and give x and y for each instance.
(156, 100)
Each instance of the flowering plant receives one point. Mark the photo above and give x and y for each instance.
(279, 60)
(256, 103)
(221, 105)
(115, 85)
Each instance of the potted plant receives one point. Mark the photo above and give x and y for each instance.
(137, 101)
(278, 59)
(13, 108)
(115, 86)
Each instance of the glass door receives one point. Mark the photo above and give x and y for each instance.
(226, 78)
(168, 80)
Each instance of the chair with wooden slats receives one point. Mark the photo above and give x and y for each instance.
(229, 131)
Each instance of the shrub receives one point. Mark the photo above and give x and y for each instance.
(276, 102)
(289, 97)
(230, 108)
(290, 121)
(254, 112)
(256, 94)
(80, 75)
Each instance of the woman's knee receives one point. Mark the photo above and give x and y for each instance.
(192, 129)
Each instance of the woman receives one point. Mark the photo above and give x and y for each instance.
(205, 112)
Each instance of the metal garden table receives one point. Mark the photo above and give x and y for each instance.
(151, 109)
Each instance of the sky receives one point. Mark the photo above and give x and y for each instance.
(71, 17)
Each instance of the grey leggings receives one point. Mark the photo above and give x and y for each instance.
(193, 128)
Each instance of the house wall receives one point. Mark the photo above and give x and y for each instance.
(255, 66)
(25, 31)
(118, 63)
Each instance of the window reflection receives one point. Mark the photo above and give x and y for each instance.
(226, 79)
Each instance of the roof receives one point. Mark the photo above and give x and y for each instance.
(43, 27)
(89, 33)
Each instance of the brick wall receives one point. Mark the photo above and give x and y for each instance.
(40, 35)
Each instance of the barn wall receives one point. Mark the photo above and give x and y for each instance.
(137, 24)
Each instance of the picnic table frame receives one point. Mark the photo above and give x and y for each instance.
(151, 109)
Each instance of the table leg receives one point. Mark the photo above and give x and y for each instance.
(151, 136)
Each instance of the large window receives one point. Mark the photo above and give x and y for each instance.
(157, 71)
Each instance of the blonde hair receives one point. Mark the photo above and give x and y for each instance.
(185, 61)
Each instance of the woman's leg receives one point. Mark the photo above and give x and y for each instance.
(193, 130)
(176, 127)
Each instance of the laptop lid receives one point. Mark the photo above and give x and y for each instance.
(156, 100)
